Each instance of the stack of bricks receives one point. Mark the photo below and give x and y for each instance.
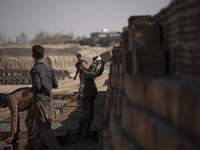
(20, 77)
(145, 54)
(146, 108)
(112, 94)
(124, 43)
(62, 74)
(15, 77)
(114, 82)
(14, 146)
(180, 34)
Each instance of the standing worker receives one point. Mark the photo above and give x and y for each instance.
(89, 95)
(18, 102)
(43, 80)
(78, 71)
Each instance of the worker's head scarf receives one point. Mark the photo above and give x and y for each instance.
(3, 101)
(96, 58)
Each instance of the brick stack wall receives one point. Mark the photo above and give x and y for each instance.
(147, 107)
(15, 77)
(180, 25)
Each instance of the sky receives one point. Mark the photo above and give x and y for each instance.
(80, 17)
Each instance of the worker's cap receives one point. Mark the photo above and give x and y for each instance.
(99, 58)
(94, 57)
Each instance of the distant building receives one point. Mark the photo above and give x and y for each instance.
(101, 38)
(104, 30)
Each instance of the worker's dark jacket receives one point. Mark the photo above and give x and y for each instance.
(43, 80)
(90, 88)
(93, 67)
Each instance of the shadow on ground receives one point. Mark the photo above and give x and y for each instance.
(68, 122)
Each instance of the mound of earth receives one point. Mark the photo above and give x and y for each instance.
(60, 57)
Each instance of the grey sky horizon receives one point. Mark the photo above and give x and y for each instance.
(80, 17)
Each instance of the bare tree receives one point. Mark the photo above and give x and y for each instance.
(9, 42)
(2, 39)
(41, 38)
(21, 39)
(45, 38)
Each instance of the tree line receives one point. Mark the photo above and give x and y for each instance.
(40, 38)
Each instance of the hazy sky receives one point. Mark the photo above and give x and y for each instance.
(80, 17)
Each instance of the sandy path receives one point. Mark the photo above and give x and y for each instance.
(67, 85)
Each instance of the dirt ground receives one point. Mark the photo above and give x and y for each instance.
(67, 85)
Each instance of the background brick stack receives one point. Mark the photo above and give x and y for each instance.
(147, 106)
(17, 76)
(180, 33)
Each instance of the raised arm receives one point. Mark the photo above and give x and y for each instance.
(88, 74)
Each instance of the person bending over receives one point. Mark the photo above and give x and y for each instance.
(17, 102)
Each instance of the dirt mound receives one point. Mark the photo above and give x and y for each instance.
(60, 57)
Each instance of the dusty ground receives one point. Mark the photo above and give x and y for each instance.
(67, 85)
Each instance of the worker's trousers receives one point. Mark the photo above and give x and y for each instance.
(43, 132)
(87, 115)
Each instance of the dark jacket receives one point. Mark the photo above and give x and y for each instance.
(90, 88)
(93, 67)
(43, 79)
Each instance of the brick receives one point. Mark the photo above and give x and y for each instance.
(112, 81)
(127, 120)
(150, 132)
(115, 69)
(129, 62)
(119, 107)
(106, 56)
(172, 100)
(9, 146)
(119, 137)
(148, 61)
(121, 70)
(135, 19)
(145, 35)
(168, 99)
(189, 108)
(117, 81)
(131, 88)
(107, 144)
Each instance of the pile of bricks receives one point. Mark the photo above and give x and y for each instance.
(180, 33)
(146, 108)
(16, 77)
(62, 74)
